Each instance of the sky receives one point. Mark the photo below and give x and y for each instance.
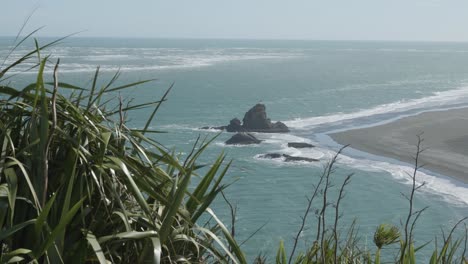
(396, 20)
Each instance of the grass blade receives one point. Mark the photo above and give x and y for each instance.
(96, 247)
(10, 231)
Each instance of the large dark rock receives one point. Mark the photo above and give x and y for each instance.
(278, 127)
(299, 145)
(255, 120)
(235, 125)
(287, 158)
(242, 139)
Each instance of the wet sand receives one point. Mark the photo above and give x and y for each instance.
(444, 134)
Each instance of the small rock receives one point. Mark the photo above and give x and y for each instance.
(299, 145)
(242, 139)
(292, 158)
(280, 127)
(271, 156)
(287, 158)
(235, 125)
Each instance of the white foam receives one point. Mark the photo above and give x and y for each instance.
(438, 99)
(279, 144)
(211, 130)
(389, 84)
(175, 127)
(279, 138)
(78, 68)
(154, 59)
(222, 144)
(107, 57)
(448, 190)
(280, 162)
(424, 50)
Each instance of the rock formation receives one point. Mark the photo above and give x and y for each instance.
(293, 158)
(287, 158)
(242, 139)
(255, 120)
(299, 145)
(234, 126)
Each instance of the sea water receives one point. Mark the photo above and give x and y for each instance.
(315, 87)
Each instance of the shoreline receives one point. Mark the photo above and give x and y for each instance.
(444, 134)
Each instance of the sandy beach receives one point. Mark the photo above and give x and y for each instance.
(445, 140)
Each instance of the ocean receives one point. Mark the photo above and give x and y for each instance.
(315, 87)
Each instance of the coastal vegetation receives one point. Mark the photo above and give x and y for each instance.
(77, 185)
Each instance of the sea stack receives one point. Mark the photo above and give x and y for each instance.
(255, 120)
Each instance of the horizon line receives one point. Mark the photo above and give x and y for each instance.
(246, 39)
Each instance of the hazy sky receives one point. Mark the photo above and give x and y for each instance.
(433, 20)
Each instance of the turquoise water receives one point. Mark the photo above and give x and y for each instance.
(315, 87)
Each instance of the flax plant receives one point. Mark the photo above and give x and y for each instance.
(79, 186)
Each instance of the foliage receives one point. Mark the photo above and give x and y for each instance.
(77, 185)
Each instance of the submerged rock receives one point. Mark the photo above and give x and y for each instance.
(292, 158)
(271, 156)
(299, 145)
(242, 139)
(287, 158)
(216, 128)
